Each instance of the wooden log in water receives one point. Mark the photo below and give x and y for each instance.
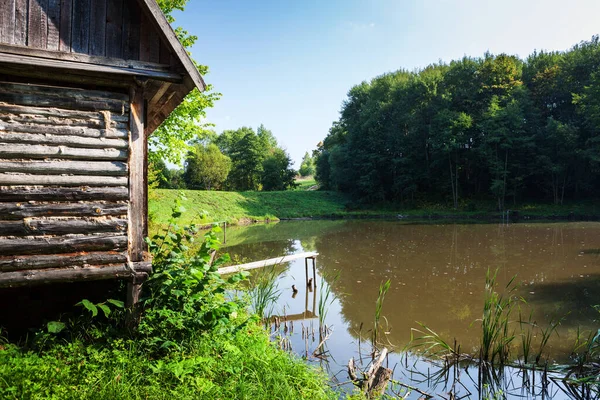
(23, 194)
(55, 226)
(62, 180)
(58, 245)
(12, 211)
(63, 140)
(14, 150)
(63, 130)
(99, 168)
(16, 263)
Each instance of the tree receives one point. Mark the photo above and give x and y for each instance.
(245, 149)
(170, 141)
(307, 167)
(277, 173)
(206, 167)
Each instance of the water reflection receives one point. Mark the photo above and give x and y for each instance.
(438, 271)
(437, 274)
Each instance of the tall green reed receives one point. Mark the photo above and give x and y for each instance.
(383, 289)
(264, 291)
(496, 332)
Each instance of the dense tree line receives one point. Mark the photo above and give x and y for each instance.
(237, 160)
(491, 127)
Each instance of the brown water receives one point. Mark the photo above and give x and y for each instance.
(437, 275)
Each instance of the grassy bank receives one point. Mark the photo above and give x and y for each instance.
(242, 365)
(240, 207)
(243, 207)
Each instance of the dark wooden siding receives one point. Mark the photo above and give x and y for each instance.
(110, 28)
(63, 177)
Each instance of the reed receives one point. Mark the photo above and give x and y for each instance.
(264, 292)
(325, 296)
(497, 335)
(383, 289)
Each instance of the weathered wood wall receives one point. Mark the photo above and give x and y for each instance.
(64, 182)
(106, 28)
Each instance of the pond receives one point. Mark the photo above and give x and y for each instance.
(437, 274)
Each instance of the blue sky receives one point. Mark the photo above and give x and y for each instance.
(289, 64)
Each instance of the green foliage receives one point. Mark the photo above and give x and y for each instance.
(307, 166)
(277, 173)
(206, 167)
(495, 127)
(185, 293)
(247, 153)
(171, 139)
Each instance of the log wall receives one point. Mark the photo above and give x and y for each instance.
(64, 183)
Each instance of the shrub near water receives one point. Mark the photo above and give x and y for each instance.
(193, 343)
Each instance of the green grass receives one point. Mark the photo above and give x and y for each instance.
(245, 207)
(306, 183)
(243, 365)
(240, 207)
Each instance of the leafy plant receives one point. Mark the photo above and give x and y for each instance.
(186, 293)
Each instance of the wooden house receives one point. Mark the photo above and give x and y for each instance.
(83, 83)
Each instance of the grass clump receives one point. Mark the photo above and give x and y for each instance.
(193, 342)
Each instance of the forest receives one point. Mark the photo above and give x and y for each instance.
(495, 128)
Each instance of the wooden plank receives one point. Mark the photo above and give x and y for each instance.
(61, 180)
(93, 168)
(38, 24)
(153, 46)
(20, 32)
(66, 11)
(74, 116)
(70, 76)
(59, 261)
(87, 69)
(57, 245)
(63, 140)
(98, 28)
(39, 277)
(80, 34)
(265, 263)
(84, 58)
(164, 53)
(158, 95)
(14, 150)
(131, 30)
(138, 187)
(55, 226)
(145, 28)
(29, 193)
(53, 40)
(16, 211)
(114, 28)
(7, 21)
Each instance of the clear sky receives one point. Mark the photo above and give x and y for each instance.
(289, 64)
